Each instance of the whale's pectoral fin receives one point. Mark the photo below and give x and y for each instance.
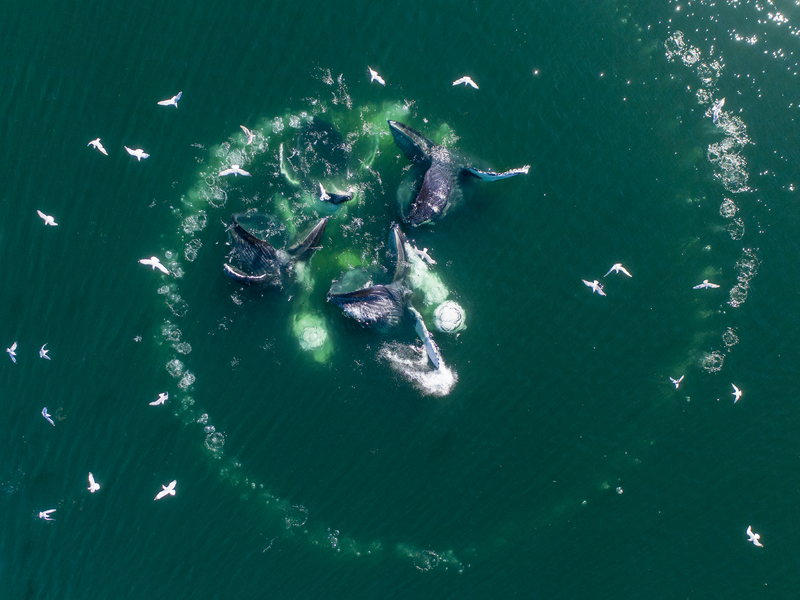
(414, 145)
(257, 257)
(335, 196)
(306, 246)
(398, 241)
(492, 176)
(380, 305)
(430, 346)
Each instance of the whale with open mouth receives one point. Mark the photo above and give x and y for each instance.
(444, 170)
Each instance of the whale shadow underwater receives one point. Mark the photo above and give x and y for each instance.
(444, 172)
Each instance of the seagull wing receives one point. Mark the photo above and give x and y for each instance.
(460, 81)
(226, 172)
(13, 347)
(624, 270)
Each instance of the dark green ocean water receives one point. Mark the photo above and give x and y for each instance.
(557, 461)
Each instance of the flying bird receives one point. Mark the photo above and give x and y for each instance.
(595, 285)
(752, 537)
(737, 393)
(155, 263)
(93, 485)
(248, 134)
(96, 144)
(705, 284)
(617, 268)
(45, 514)
(466, 81)
(167, 490)
(48, 220)
(716, 110)
(677, 382)
(172, 101)
(43, 352)
(373, 76)
(162, 397)
(47, 416)
(234, 170)
(138, 153)
(423, 254)
(12, 352)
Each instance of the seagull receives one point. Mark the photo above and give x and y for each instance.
(737, 393)
(93, 485)
(753, 537)
(373, 76)
(12, 352)
(466, 81)
(43, 352)
(162, 397)
(46, 415)
(48, 220)
(172, 101)
(155, 263)
(138, 153)
(96, 144)
(617, 268)
(423, 254)
(595, 285)
(705, 284)
(677, 382)
(167, 490)
(45, 514)
(715, 110)
(234, 170)
(248, 134)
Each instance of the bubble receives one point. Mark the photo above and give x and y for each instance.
(728, 208)
(183, 348)
(192, 249)
(729, 338)
(177, 305)
(449, 317)
(171, 332)
(277, 125)
(196, 222)
(187, 380)
(619, 490)
(214, 442)
(175, 368)
(736, 229)
(296, 516)
(738, 295)
(713, 362)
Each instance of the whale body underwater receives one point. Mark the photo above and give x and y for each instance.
(444, 170)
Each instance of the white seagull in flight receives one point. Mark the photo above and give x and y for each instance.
(754, 537)
(677, 382)
(373, 76)
(466, 81)
(234, 170)
(162, 397)
(705, 284)
(172, 101)
(155, 263)
(96, 144)
(617, 268)
(46, 415)
(45, 514)
(248, 134)
(48, 220)
(138, 153)
(93, 485)
(737, 393)
(167, 490)
(12, 352)
(423, 254)
(595, 285)
(43, 352)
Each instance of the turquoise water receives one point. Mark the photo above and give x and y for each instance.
(555, 459)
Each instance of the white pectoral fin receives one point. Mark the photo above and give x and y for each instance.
(430, 346)
(492, 176)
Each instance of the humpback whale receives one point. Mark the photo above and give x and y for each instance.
(379, 305)
(257, 262)
(443, 169)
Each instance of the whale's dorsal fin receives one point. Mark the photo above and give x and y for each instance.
(492, 176)
(305, 247)
(414, 145)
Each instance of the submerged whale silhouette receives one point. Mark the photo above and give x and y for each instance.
(443, 169)
(257, 262)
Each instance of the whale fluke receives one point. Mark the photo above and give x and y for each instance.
(443, 168)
